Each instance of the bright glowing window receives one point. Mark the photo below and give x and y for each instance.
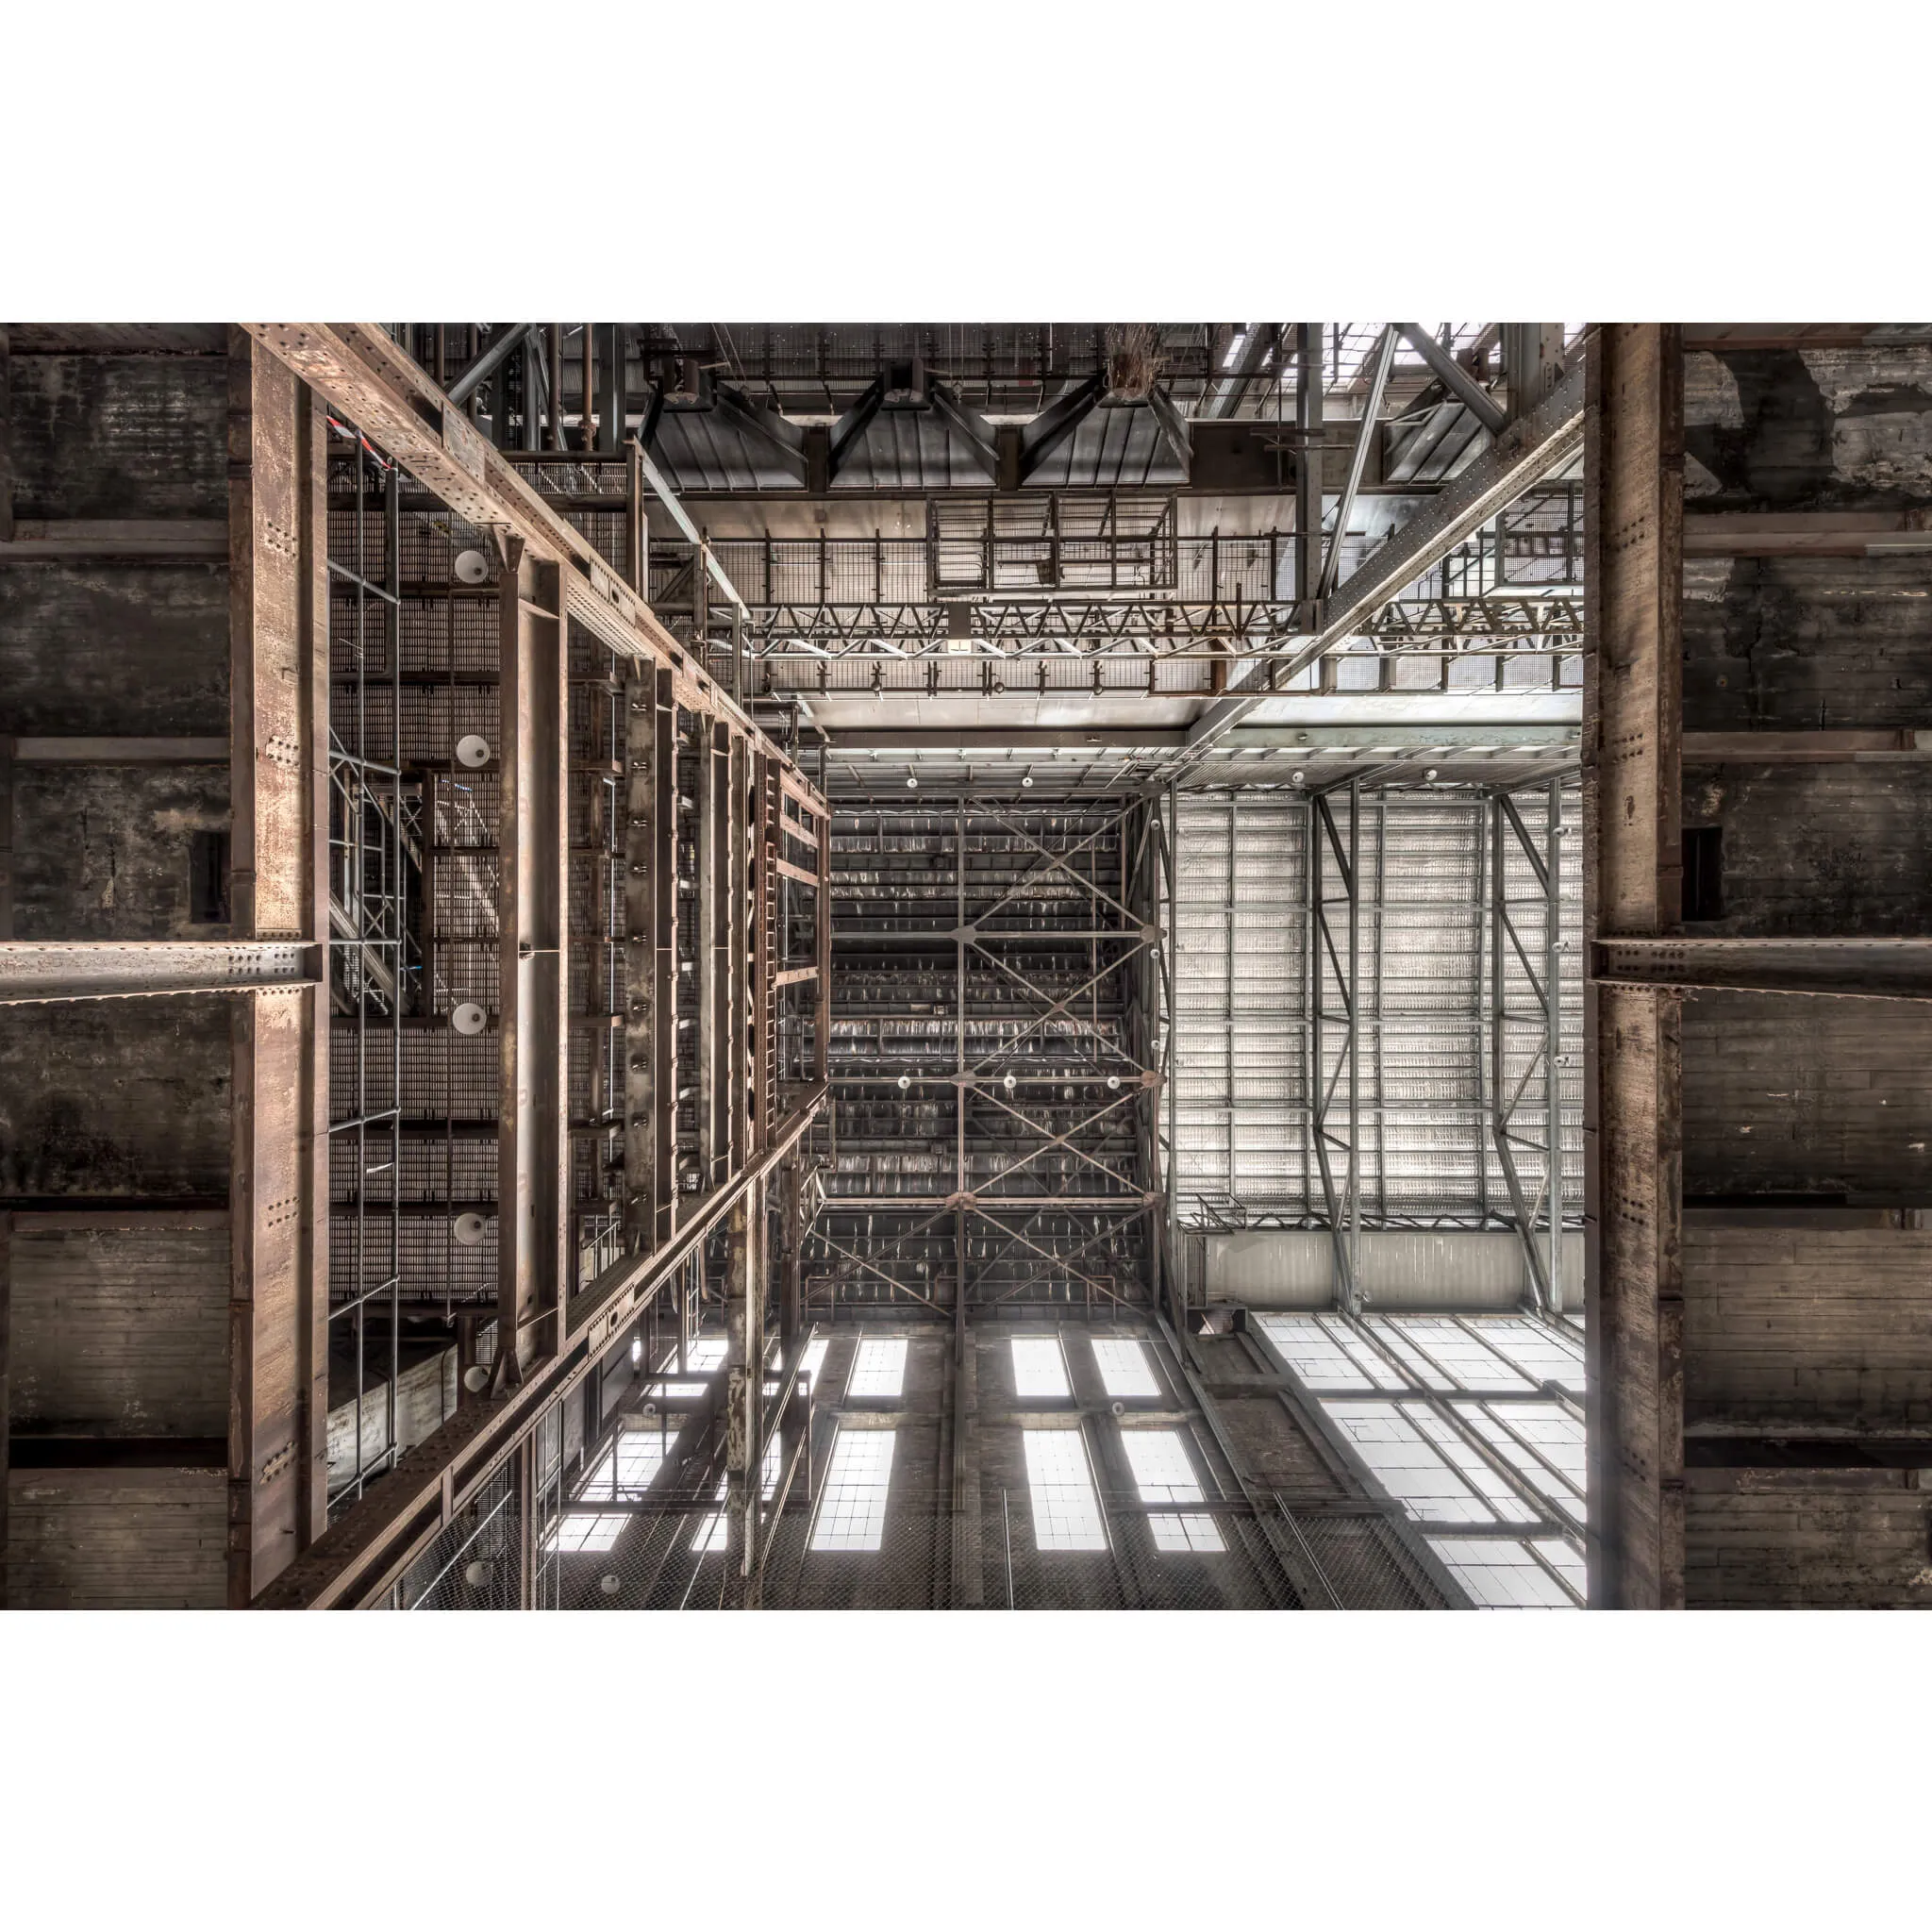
(852, 1505)
(1066, 1512)
(1544, 1352)
(1453, 1349)
(1040, 1370)
(878, 1368)
(1163, 1474)
(704, 1355)
(580, 1533)
(629, 1466)
(1409, 1464)
(1327, 1354)
(1504, 1576)
(677, 1392)
(814, 1358)
(1124, 1370)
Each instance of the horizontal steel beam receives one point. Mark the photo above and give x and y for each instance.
(119, 751)
(41, 971)
(1883, 969)
(1373, 736)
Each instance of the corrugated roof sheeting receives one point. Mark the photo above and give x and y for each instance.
(1243, 1048)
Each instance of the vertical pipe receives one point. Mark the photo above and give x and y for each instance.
(1355, 1038)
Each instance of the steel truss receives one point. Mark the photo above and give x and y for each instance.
(991, 1047)
(1531, 960)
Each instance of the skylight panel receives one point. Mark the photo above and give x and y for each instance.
(1039, 1369)
(1408, 1465)
(1312, 1353)
(1123, 1369)
(704, 1355)
(814, 1358)
(1066, 1512)
(852, 1504)
(1163, 1474)
(582, 1533)
(1544, 1354)
(878, 1368)
(1453, 1349)
(1501, 1576)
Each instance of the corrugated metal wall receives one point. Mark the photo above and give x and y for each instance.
(1243, 1043)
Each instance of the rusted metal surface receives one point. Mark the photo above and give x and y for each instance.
(279, 1401)
(533, 1167)
(38, 971)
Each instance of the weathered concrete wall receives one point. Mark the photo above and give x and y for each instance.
(121, 1331)
(1819, 849)
(117, 1539)
(1777, 1540)
(1807, 1329)
(1822, 1098)
(1806, 643)
(104, 850)
(99, 650)
(120, 436)
(1808, 429)
(115, 1098)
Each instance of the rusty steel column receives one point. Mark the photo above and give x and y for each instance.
(1633, 1109)
(278, 1295)
(533, 1258)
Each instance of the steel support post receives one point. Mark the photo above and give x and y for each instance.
(1504, 1097)
(278, 658)
(533, 1259)
(1633, 1102)
(1170, 860)
(1342, 1205)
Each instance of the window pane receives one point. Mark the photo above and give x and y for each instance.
(706, 1353)
(580, 1533)
(1040, 1370)
(852, 1505)
(1407, 1465)
(1066, 1512)
(1501, 1575)
(1543, 1353)
(1163, 1474)
(878, 1368)
(1312, 1353)
(631, 1465)
(1455, 1349)
(1161, 1466)
(1124, 1370)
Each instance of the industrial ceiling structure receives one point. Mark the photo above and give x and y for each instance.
(699, 965)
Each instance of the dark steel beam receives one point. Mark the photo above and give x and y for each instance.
(780, 439)
(1456, 378)
(967, 424)
(849, 431)
(489, 362)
